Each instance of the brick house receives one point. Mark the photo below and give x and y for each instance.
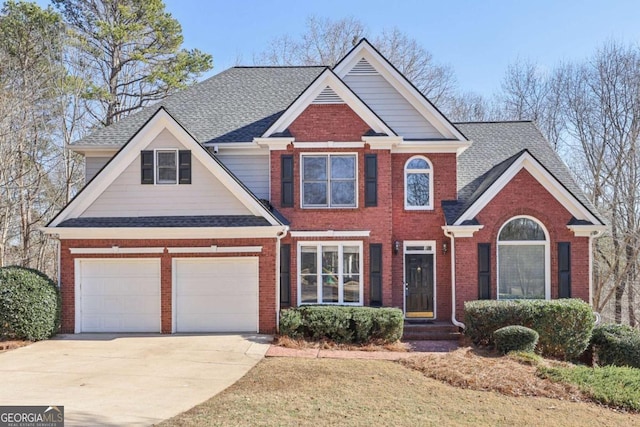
(268, 187)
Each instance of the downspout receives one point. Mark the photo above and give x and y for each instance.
(279, 237)
(592, 236)
(453, 280)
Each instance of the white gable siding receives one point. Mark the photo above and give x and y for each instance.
(92, 165)
(252, 170)
(391, 106)
(127, 197)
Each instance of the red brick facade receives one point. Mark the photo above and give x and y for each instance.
(267, 272)
(331, 122)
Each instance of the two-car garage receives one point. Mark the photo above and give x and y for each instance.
(207, 294)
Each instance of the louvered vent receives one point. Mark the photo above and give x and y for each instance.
(363, 68)
(328, 96)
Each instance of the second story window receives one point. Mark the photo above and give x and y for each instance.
(418, 185)
(329, 181)
(167, 166)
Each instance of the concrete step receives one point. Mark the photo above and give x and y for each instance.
(436, 331)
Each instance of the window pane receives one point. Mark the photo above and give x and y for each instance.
(350, 260)
(308, 260)
(167, 158)
(522, 271)
(343, 193)
(309, 289)
(352, 288)
(314, 168)
(417, 189)
(522, 229)
(166, 175)
(330, 259)
(315, 193)
(343, 167)
(418, 164)
(329, 288)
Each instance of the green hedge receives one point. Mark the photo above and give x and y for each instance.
(29, 304)
(342, 324)
(515, 338)
(564, 325)
(617, 345)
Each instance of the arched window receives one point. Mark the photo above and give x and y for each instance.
(523, 260)
(418, 184)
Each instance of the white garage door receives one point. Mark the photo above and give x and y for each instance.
(119, 295)
(216, 294)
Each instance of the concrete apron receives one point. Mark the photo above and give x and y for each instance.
(133, 380)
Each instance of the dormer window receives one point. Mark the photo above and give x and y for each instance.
(165, 166)
(329, 181)
(418, 184)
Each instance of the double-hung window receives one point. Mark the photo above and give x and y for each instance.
(166, 166)
(329, 181)
(330, 273)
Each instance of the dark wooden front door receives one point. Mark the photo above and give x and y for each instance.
(419, 285)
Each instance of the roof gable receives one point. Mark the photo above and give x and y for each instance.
(160, 122)
(365, 62)
(503, 173)
(327, 88)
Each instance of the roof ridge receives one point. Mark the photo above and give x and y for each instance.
(279, 66)
(479, 122)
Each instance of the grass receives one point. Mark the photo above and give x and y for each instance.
(312, 392)
(299, 344)
(611, 385)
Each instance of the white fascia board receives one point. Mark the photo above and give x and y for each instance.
(411, 94)
(548, 181)
(117, 250)
(213, 249)
(587, 230)
(328, 78)
(273, 144)
(382, 142)
(164, 233)
(329, 144)
(245, 148)
(160, 121)
(462, 230)
(94, 151)
(444, 146)
(331, 233)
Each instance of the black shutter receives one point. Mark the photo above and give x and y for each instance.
(285, 275)
(371, 180)
(146, 167)
(375, 274)
(564, 270)
(286, 171)
(184, 167)
(484, 270)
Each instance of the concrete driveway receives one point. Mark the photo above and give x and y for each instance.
(131, 380)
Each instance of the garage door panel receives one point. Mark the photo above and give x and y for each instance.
(120, 295)
(216, 294)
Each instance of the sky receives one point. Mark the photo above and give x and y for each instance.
(477, 39)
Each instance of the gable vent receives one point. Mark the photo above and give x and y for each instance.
(328, 96)
(363, 68)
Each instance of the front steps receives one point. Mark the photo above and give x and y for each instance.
(430, 330)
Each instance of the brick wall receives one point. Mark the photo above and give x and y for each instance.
(267, 263)
(328, 122)
(524, 195)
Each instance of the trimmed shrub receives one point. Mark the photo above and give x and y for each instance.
(342, 324)
(515, 338)
(29, 304)
(617, 345)
(564, 325)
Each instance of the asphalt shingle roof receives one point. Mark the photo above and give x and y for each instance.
(495, 146)
(168, 221)
(236, 105)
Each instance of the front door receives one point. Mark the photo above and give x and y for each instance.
(419, 285)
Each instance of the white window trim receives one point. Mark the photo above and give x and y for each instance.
(425, 244)
(429, 171)
(328, 156)
(547, 254)
(319, 245)
(156, 165)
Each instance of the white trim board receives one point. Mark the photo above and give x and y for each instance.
(331, 233)
(548, 181)
(160, 121)
(117, 250)
(213, 249)
(165, 233)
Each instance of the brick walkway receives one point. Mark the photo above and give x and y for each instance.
(417, 347)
